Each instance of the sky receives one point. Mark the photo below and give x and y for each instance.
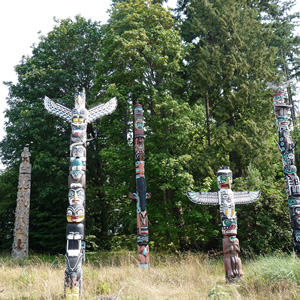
(22, 20)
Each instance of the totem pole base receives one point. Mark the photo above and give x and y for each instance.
(144, 266)
(72, 294)
(230, 280)
(15, 254)
(73, 291)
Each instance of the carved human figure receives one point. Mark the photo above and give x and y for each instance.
(232, 262)
(143, 255)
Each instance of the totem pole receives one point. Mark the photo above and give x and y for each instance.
(286, 148)
(227, 199)
(21, 231)
(141, 195)
(79, 117)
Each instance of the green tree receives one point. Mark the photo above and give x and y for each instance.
(276, 15)
(62, 62)
(8, 189)
(264, 225)
(141, 56)
(229, 61)
(228, 66)
(153, 1)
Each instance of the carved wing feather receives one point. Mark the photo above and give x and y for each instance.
(278, 87)
(203, 197)
(58, 109)
(245, 197)
(102, 110)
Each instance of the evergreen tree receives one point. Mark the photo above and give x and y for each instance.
(206, 105)
(228, 66)
(8, 189)
(230, 60)
(60, 64)
(141, 54)
(276, 15)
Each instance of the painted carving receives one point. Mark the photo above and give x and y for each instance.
(21, 230)
(79, 117)
(286, 147)
(227, 199)
(232, 262)
(141, 195)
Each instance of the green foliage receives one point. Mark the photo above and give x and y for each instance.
(61, 63)
(141, 54)
(201, 80)
(228, 65)
(8, 190)
(103, 288)
(273, 269)
(264, 224)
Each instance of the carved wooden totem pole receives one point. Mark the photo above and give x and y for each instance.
(141, 195)
(286, 147)
(21, 231)
(79, 117)
(227, 199)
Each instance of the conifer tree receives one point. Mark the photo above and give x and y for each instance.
(141, 54)
(230, 61)
(62, 62)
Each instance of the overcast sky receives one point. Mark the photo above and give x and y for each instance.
(21, 20)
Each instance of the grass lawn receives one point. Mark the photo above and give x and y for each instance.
(182, 276)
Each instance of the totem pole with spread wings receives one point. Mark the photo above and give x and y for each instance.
(227, 199)
(79, 117)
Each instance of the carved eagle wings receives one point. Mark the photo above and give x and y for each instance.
(58, 109)
(212, 197)
(101, 110)
(94, 113)
(278, 87)
(245, 197)
(203, 197)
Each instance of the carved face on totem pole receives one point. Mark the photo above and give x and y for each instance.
(296, 234)
(283, 114)
(78, 151)
(278, 98)
(79, 119)
(224, 177)
(77, 177)
(138, 120)
(286, 144)
(295, 217)
(229, 225)
(226, 200)
(75, 213)
(78, 133)
(292, 185)
(76, 196)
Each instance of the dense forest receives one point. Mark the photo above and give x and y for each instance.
(200, 73)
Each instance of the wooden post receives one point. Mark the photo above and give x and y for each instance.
(141, 195)
(21, 230)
